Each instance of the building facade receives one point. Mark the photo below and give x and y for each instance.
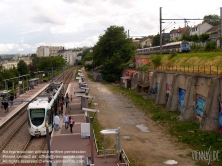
(45, 51)
(200, 29)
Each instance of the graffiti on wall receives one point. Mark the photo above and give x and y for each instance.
(220, 116)
(150, 75)
(153, 91)
(157, 87)
(98, 76)
(129, 73)
(182, 93)
(200, 103)
(168, 87)
(141, 62)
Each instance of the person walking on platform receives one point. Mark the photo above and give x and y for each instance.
(61, 106)
(65, 120)
(56, 122)
(67, 101)
(60, 110)
(71, 123)
(5, 104)
(62, 98)
(11, 99)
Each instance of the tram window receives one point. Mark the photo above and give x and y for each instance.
(178, 45)
(49, 116)
(37, 116)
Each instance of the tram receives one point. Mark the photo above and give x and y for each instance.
(40, 110)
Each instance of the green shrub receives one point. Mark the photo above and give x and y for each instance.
(196, 48)
(172, 55)
(156, 59)
(210, 46)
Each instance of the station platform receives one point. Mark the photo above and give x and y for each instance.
(20, 102)
(70, 148)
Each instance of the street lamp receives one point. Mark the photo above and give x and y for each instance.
(48, 142)
(111, 132)
(91, 130)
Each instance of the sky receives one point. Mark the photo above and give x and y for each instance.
(28, 24)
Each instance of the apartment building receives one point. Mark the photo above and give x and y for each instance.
(45, 51)
(14, 63)
(69, 56)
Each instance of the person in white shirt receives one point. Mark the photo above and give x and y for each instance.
(56, 121)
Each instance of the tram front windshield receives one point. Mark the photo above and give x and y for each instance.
(185, 45)
(37, 116)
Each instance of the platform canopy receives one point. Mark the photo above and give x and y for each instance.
(109, 132)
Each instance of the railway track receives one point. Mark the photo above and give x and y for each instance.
(32, 152)
(16, 143)
(13, 124)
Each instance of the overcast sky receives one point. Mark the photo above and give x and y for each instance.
(27, 24)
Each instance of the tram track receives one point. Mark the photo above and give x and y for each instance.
(32, 151)
(11, 128)
(16, 142)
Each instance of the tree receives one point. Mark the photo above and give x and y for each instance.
(194, 38)
(87, 57)
(47, 63)
(156, 40)
(35, 62)
(204, 37)
(22, 67)
(113, 51)
(212, 19)
(210, 46)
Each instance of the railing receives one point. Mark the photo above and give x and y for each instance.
(201, 69)
(108, 151)
(120, 164)
(97, 150)
(124, 159)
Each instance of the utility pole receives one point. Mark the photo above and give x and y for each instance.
(185, 20)
(221, 28)
(160, 30)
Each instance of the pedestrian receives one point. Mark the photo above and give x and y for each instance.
(61, 106)
(60, 110)
(65, 120)
(63, 99)
(11, 99)
(2, 103)
(71, 97)
(71, 123)
(56, 122)
(67, 101)
(5, 104)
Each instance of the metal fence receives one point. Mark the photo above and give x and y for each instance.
(202, 69)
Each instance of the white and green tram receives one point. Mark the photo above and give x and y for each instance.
(42, 109)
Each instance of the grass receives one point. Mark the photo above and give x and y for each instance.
(208, 58)
(99, 137)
